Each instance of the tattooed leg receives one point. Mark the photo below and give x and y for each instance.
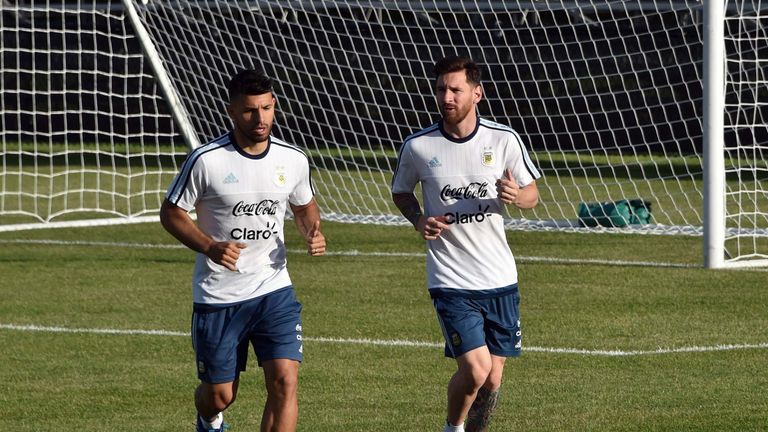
(481, 410)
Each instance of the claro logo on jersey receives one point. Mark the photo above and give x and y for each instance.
(263, 207)
(464, 218)
(246, 233)
(473, 190)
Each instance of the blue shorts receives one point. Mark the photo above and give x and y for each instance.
(221, 334)
(469, 323)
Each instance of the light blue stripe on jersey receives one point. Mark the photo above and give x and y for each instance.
(405, 142)
(282, 143)
(175, 192)
(535, 173)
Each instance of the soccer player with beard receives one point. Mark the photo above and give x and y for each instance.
(469, 168)
(240, 185)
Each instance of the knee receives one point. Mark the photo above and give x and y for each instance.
(217, 399)
(222, 399)
(284, 384)
(477, 374)
(481, 376)
(493, 382)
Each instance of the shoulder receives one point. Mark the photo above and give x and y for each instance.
(500, 130)
(435, 128)
(213, 144)
(208, 149)
(493, 126)
(283, 147)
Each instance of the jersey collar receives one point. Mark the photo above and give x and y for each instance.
(459, 140)
(240, 150)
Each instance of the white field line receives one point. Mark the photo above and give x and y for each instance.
(521, 259)
(392, 342)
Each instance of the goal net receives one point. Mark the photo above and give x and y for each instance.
(86, 135)
(608, 96)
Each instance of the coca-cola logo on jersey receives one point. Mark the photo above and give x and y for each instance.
(263, 207)
(473, 190)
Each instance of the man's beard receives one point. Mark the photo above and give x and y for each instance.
(257, 137)
(455, 116)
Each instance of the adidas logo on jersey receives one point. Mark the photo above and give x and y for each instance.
(434, 163)
(231, 179)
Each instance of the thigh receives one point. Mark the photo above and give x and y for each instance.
(503, 332)
(220, 351)
(278, 331)
(461, 322)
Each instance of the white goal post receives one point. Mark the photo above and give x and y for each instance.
(658, 101)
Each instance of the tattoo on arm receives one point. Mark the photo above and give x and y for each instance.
(409, 206)
(412, 213)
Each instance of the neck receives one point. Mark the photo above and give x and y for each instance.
(249, 146)
(462, 129)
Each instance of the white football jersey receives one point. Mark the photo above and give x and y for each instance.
(458, 180)
(241, 197)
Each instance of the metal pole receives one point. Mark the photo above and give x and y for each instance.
(164, 81)
(714, 111)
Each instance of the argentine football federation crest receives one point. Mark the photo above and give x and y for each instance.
(456, 339)
(488, 157)
(280, 176)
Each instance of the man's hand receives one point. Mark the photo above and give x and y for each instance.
(431, 227)
(225, 253)
(315, 240)
(507, 188)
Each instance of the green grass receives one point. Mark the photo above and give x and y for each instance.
(106, 382)
(61, 183)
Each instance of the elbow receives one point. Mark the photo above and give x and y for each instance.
(167, 215)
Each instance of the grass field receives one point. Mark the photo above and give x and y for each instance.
(121, 181)
(611, 344)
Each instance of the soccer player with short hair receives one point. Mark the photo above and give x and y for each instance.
(469, 168)
(240, 186)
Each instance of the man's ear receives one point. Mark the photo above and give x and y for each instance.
(478, 93)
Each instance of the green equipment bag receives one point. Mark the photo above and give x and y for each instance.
(615, 214)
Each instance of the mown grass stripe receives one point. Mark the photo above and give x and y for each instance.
(521, 259)
(393, 342)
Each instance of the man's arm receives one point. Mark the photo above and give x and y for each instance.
(409, 206)
(528, 196)
(429, 227)
(510, 193)
(177, 222)
(307, 218)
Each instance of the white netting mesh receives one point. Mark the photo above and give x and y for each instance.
(746, 129)
(84, 129)
(608, 95)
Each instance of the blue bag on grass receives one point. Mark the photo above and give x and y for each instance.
(615, 214)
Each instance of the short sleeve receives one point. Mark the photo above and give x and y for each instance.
(189, 183)
(523, 169)
(304, 191)
(405, 177)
